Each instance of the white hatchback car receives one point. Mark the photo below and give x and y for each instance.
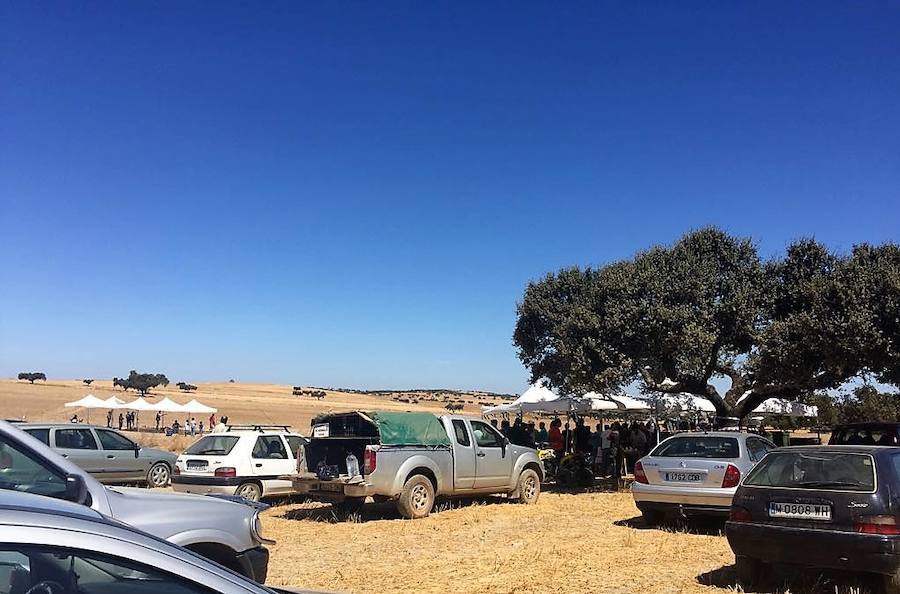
(695, 473)
(244, 460)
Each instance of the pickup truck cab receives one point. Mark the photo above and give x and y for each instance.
(222, 530)
(412, 458)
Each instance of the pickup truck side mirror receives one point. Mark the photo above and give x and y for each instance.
(137, 450)
(76, 489)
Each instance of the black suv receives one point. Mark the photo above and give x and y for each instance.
(879, 433)
(830, 507)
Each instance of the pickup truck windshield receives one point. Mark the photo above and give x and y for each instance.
(831, 471)
(213, 445)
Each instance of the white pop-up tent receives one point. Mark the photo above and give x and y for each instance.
(618, 402)
(168, 405)
(114, 402)
(536, 397)
(88, 402)
(140, 404)
(196, 407)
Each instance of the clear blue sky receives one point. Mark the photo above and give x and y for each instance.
(356, 194)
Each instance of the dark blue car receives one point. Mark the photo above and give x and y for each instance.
(830, 507)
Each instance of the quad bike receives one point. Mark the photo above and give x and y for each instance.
(575, 470)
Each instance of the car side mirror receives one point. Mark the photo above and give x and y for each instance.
(76, 489)
(137, 450)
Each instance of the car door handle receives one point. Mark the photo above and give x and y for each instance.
(481, 454)
(259, 465)
(65, 455)
(110, 456)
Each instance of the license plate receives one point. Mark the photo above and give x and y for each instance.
(800, 511)
(684, 477)
(196, 465)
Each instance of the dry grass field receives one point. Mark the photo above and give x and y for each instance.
(580, 543)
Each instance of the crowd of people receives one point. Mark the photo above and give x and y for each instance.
(609, 446)
(128, 421)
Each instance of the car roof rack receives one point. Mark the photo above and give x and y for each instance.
(257, 427)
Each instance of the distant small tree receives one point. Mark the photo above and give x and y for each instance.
(32, 375)
(185, 387)
(231, 381)
(87, 382)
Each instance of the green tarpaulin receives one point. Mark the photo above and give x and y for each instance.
(409, 428)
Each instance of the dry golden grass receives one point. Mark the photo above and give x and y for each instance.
(566, 542)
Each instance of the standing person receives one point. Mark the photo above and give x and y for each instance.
(158, 419)
(220, 426)
(212, 420)
(494, 423)
(596, 436)
(555, 437)
(121, 420)
(604, 449)
(582, 436)
(505, 428)
(542, 437)
(201, 426)
(567, 438)
(109, 419)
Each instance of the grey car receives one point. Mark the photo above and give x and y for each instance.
(108, 455)
(48, 546)
(226, 531)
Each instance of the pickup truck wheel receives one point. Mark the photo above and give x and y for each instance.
(417, 498)
(250, 491)
(158, 475)
(528, 488)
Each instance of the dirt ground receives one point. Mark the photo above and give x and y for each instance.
(567, 542)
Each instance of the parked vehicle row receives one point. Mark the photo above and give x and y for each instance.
(827, 507)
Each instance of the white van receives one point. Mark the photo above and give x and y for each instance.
(243, 460)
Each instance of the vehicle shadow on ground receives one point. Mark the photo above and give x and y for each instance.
(371, 512)
(704, 526)
(795, 581)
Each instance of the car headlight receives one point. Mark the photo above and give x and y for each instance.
(256, 529)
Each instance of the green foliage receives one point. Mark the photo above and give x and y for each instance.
(31, 376)
(141, 382)
(87, 382)
(675, 317)
(864, 403)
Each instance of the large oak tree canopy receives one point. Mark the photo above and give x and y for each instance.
(676, 317)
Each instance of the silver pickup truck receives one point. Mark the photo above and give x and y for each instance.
(412, 458)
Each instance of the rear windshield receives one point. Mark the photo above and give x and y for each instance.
(886, 436)
(213, 445)
(832, 471)
(698, 446)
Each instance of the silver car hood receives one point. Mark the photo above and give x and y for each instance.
(173, 516)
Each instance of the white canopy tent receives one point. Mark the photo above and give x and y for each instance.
(168, 405)
(618, 402)
(114, 402)
(140, 404)
(196, 407)
(541, 400)
(88, 402)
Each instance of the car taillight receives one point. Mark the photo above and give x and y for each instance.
(639, 475)
(732, 477)
(739, 514)
(226, 471)
(876, 525)
(370, 460)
